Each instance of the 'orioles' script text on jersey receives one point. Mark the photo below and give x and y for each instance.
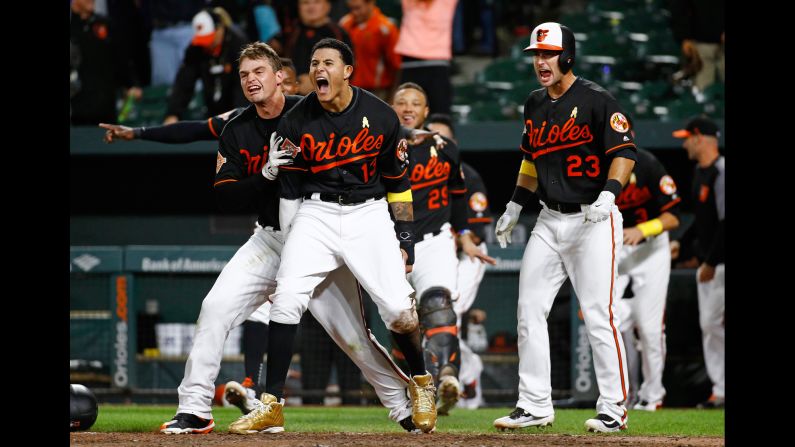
(573, 139)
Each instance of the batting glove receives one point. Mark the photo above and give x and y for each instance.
(507, 222)
(276, 157)
(600, 209)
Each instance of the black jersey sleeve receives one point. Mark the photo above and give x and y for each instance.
(618, 141)
(234, 190)
(664, 189)
(457, 188)
(291, 177)
(393, 158)
(180, 132)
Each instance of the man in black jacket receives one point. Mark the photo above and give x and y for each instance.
(211, 57)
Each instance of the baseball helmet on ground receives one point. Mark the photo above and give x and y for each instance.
(82, 408)
(553, 36)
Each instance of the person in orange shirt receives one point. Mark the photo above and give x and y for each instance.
(373, 36)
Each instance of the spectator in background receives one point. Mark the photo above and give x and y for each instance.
(289, 83)
(700, 140)
(171, 35)
(211, 57)
(699, 26)
(374, 37)
(425, 44)
(99, 69)
(262, 23)
(314, 24)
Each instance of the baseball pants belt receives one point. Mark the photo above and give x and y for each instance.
(342, 199)
(565, 208)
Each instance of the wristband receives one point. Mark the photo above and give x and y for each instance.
(651, 228)
(405, 235)
(521, 195)
(614, 186)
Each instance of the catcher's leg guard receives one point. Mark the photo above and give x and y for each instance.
(438, 324)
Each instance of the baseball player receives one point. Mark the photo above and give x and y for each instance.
(470, 269)
(245, 174)
(350, 158)
(649, 207)
(700, 140)
(578, 154)
(439, 193)
(255, 328)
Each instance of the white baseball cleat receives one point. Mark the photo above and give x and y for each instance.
(449, 393)
(647, 406)
(240, 395)
(603, 423)
(520, 419)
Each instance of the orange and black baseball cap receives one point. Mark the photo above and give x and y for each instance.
(700, 125)
(203, 29)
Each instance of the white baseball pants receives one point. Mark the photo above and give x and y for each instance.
(649, 266)
(564, 245)
(711, 305)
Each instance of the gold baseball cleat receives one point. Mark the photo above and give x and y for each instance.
(267, 417)
(423, 402)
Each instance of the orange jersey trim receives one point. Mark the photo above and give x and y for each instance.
(610, 307)
(458, 191)
(210, 125)
(444, 329)
(618, 147)
(397, 176)
(432, 182)
(293, 168)
(224, 181)
(479, 219)
(326, 167)
(557, 148)
(671, 203)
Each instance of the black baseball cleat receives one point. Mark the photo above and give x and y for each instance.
(713, 402)
(187, 423)
(520, 419)
(408, 425)
(604, 424)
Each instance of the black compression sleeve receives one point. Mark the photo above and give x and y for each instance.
(459, 212)
(179, 132)
(521, 195)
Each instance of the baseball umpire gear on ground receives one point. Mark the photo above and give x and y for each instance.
(83, 408)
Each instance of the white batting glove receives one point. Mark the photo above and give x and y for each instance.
(276, 158)
(506, 223)
(600, 209)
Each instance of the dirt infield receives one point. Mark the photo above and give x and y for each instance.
(95, 439)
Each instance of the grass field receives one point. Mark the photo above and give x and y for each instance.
(664, 422)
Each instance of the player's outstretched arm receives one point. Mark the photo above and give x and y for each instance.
(666, 222)
(471, 249)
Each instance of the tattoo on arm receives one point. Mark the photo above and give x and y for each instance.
(403, 211)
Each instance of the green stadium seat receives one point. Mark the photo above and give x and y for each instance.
(469, 93)
(493, 111)
(503, 72)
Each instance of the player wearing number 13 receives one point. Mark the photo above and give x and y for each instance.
(578, 154)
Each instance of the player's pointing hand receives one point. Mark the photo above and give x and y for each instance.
(116, 131)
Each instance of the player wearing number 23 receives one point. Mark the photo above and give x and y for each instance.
(578, 154)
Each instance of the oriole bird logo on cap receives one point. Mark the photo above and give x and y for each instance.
(542, 34)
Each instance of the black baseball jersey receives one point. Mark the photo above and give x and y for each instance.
(478, 212)
(437, 186)
(649, 192)
(709, 194)
(572, 141)
(243, 151)
(357, 152)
